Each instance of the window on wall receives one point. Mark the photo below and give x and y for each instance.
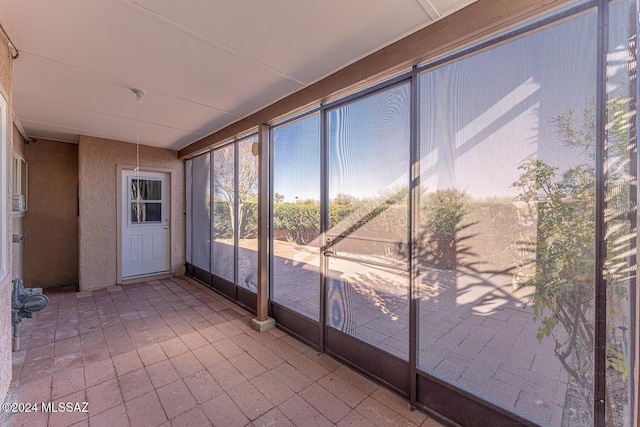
(507, 223)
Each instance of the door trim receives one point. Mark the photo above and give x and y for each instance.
(120, 168)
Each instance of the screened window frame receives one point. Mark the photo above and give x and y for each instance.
(319, 110)
(547, 19)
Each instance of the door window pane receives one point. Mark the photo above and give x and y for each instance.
(145, 212)
(146, 189)
(296, 216)
(506, 249)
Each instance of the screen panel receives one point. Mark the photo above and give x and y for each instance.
(223, 249)
(295, 262)
(201, 212)
(507, 223)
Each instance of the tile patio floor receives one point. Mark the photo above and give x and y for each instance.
(173, 353)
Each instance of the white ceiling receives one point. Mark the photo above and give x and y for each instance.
(202, 64)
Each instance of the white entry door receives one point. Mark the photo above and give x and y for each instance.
(145, 223)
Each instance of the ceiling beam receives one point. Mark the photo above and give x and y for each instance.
(429, 8)
(478, 20)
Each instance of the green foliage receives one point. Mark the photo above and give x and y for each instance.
(492, 225)
(227, 189)
(443, 212)
(384, 217)
(617, 360)
(222, 224)
(300, 222)
(248, 228)
(563, 208)
(562, 274)
(341, 207)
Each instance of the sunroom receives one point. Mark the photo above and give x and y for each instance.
(454, 215)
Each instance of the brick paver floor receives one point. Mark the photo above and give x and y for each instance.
(172, 353)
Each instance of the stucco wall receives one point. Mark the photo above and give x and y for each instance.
(98, 160)
(51, 221)
(6, 65)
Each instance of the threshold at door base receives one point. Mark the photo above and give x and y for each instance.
(148, 278)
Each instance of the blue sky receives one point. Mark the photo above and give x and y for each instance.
(296, 154)
(480, 118)
(483, 116)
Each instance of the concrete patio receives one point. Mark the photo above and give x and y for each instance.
(173, 353)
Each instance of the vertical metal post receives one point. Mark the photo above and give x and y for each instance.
(600, 338)
(270, 210)
(635, 308)
(414, 224)
(633, 206)
(236, 214)
(188, 209)
(324, 225)
(212, 196)
(263, 322)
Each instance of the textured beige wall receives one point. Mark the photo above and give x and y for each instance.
(51, 221)
(98, 160)
(6, 65)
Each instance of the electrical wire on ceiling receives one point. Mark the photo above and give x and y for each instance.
(139, 93)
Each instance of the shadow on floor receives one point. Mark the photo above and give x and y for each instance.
(173, 353)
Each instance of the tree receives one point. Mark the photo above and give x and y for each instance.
(562, 268)
(224, 184)
(443, 212)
